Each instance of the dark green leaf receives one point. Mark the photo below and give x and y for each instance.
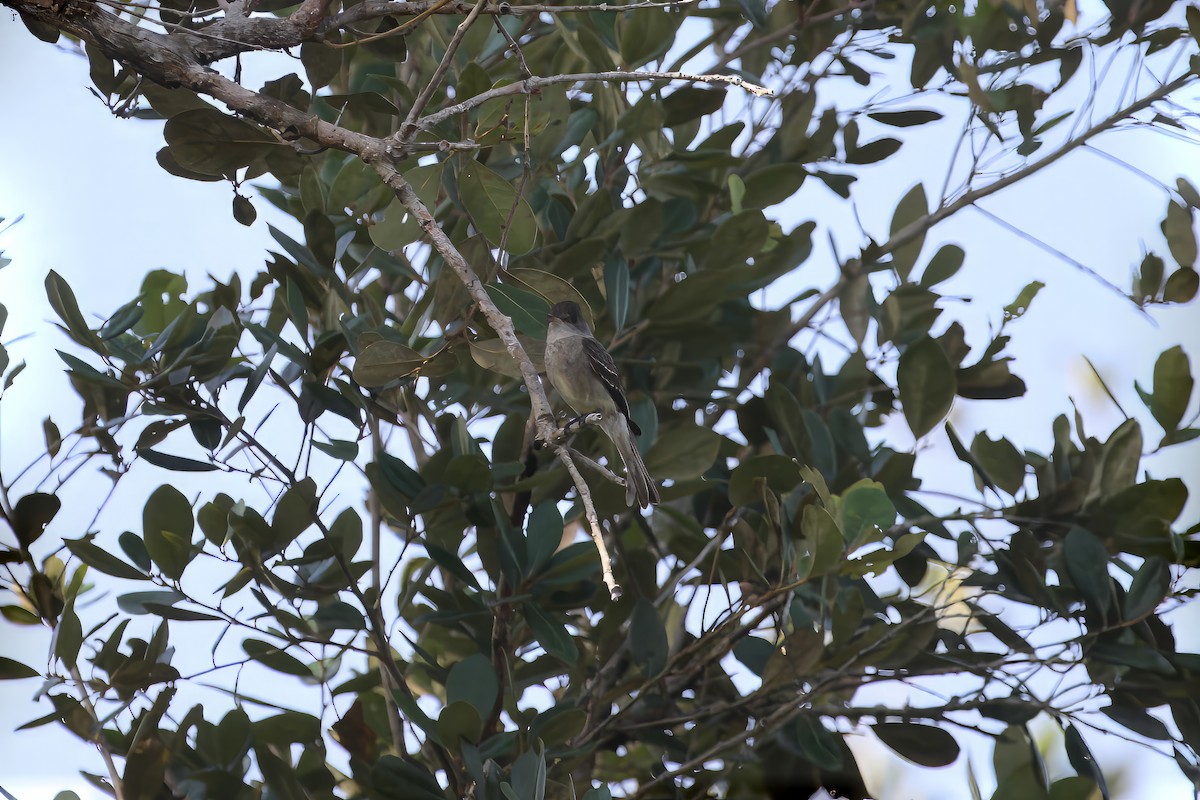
(275, 658)
(927, 384)
(1150, 585)
(396, 779)
(683, 453)
(551, 634)
(905, 119)
(101, 559)
(1173, 386)
(527, 310)
(1019, 306)
(1082, 760)
(779, 474)
(911, 208)
(142, 602)
(495, 208)
(206, 141)
(32, 514)
(944, 265)
(648, 637)
(808, 738)
(1181, 237)
(11, 670)
(290, 727)
(1087, 565)
(866, 513)
(926, 745)
(545, 532)
(62, 300)
(1181, 286)
(174, 463)
(167, 526)
(473, 681)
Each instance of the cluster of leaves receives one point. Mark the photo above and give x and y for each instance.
(791, 536)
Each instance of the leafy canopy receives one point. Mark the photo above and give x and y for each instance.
(455, 169)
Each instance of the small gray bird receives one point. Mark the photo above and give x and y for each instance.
(584, 374)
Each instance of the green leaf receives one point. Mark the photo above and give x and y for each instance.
(822, 542)
(1181, 237)
(551, 634)
(1075, 787)
(912, 207)
(341, 449)
(683, 453)
(68, 636)
(866, 513)
(1087, 565)
(167, 526)
(243, 210)
(648, 637)
(643, 36)
(11, 670)
(558, 724)
(1181, 286)
(754, 652)
(1082, 760)
(101, 559)
(737, 239)
(1173, 386)
(274, 658)
(393, 778)
(1024, 298)
(544, 534)
(32, 514)
(1122, 455)
(290, 727)
(807, 737)
(773, 184)
(616, 286)
(926, 745)
(1150, 585)
(172, 462)
(206, 141)
(779, 474)
(492, 200)
(147, 602)
(905, 119)
(473, 681)
(528, 311)
(295, 512)
(1000, 460)
(927, 384)
(62, 300)
(944, 265)
(459, 720)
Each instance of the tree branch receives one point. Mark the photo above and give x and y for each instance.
(920, 226)
(534, 84)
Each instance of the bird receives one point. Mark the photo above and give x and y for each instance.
(585, 375)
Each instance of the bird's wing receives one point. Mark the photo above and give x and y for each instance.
(606, 370)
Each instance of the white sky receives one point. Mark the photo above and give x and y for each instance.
(102, 213)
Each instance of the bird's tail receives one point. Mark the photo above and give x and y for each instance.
(638, 483)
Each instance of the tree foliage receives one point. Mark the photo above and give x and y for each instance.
(455, 169)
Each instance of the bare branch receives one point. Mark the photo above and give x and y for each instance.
(534, 84)
(374, 9)
(918, 227)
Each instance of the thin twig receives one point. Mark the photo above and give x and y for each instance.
(101, 743)
(918, 227)
(534, 84)
(407, 129)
